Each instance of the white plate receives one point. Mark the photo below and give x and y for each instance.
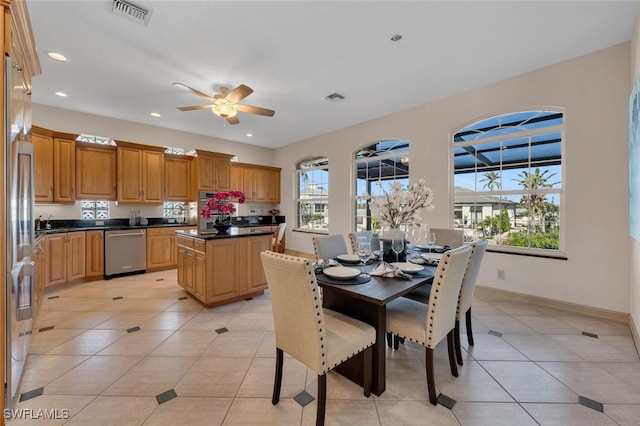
(409, 268)
(435, 256)
(341, 273)
(349, 258)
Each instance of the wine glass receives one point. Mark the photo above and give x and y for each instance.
(397, 245)
(364, 252)
(430, 239)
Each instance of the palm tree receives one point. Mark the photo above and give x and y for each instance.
(492, 180)
(535, 203)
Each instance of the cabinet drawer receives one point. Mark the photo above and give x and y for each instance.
(184, 241)
(160, 231)
(199, 245)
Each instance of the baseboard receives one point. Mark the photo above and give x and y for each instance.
(635, 332)
(557, 304)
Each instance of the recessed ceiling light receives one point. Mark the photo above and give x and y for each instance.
(61, 94)
(155, 114)
(396, 37)
(57, 57)
(249, 134)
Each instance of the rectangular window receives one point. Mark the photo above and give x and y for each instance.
(94, 209)
(508, 181)
(312, 201)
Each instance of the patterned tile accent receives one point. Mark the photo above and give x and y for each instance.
(31, 394)
(586, 333)
(166, 396)
(303, 398)
(133, 329)
(53, 297)
(446, 401)
(46, 328)
(183, 298)
(495, 333)
(118, 298)
(590, 403)
(222, 330)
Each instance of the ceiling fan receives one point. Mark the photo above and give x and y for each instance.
(225, 104)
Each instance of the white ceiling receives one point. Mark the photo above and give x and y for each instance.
(294, 53)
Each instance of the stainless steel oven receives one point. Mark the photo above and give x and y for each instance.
(205, 224)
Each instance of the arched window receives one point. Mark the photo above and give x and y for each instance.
(507, 174)
(377, 164)
(312, 198)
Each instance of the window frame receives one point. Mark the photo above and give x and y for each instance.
(322, 163)
(559, 191)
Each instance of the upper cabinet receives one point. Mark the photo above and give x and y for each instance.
(64, 169)
(213, 171)
(95, 171)
(178, 178)
(42, 140)
(260, 184)
(140, 173)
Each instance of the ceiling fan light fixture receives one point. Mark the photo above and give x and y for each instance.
(224, 110)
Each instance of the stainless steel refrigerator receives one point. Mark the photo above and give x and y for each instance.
(19, 205)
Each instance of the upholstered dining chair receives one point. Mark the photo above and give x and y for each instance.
(319, 338)
(478, 248)
(277, 241)
(329, 246)
(448, 236)
(428, 324)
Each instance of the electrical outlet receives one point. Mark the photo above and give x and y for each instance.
(501, 274)
(99, 222)
(171, 220)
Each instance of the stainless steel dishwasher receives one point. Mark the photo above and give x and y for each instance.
(125, 252)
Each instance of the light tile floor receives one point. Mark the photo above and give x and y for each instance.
(119, 349)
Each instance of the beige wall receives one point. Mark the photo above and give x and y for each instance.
(594, 92)
(634, 245)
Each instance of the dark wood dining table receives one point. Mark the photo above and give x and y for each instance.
(367, 302)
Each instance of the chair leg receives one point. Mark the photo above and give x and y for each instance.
(368, 370)
(322, 399)
(431, 383)
(452, 356)
(457, 342)
(469, 333)
(277, 383)
(389, 340)
(396, 342)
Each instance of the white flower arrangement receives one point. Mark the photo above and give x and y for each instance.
(402, 206)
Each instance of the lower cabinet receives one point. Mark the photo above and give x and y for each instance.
(94, 261)
(162, 251)
(219, 271)
(65, 257)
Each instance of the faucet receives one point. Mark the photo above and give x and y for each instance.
(48, 225)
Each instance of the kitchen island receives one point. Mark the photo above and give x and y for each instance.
(222, 268)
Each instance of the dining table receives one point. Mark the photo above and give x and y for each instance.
(367, 302)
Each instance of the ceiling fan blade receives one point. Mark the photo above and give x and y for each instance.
(255, 110)
(233, 120)
(239, 93)
(194, 91)
(195, 107)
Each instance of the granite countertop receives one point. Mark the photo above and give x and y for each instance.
(234, 232)
(58, 230)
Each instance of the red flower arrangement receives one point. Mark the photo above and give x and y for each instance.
(222, 207)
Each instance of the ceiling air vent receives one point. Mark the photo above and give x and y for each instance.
(134, 12)
(334, 97)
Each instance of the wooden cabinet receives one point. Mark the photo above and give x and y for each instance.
(94, 254)
(64, 170)
(237, 178)
(162, 250)
(140, 173)
(95, 171)
(213, 171)
(260, 184)
(223, 270)
(42, 140)
(65, 257)
(178, 178)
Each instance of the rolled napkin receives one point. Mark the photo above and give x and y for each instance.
(442, 249)
(425, 260)
(322, 264)
(387, 270)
